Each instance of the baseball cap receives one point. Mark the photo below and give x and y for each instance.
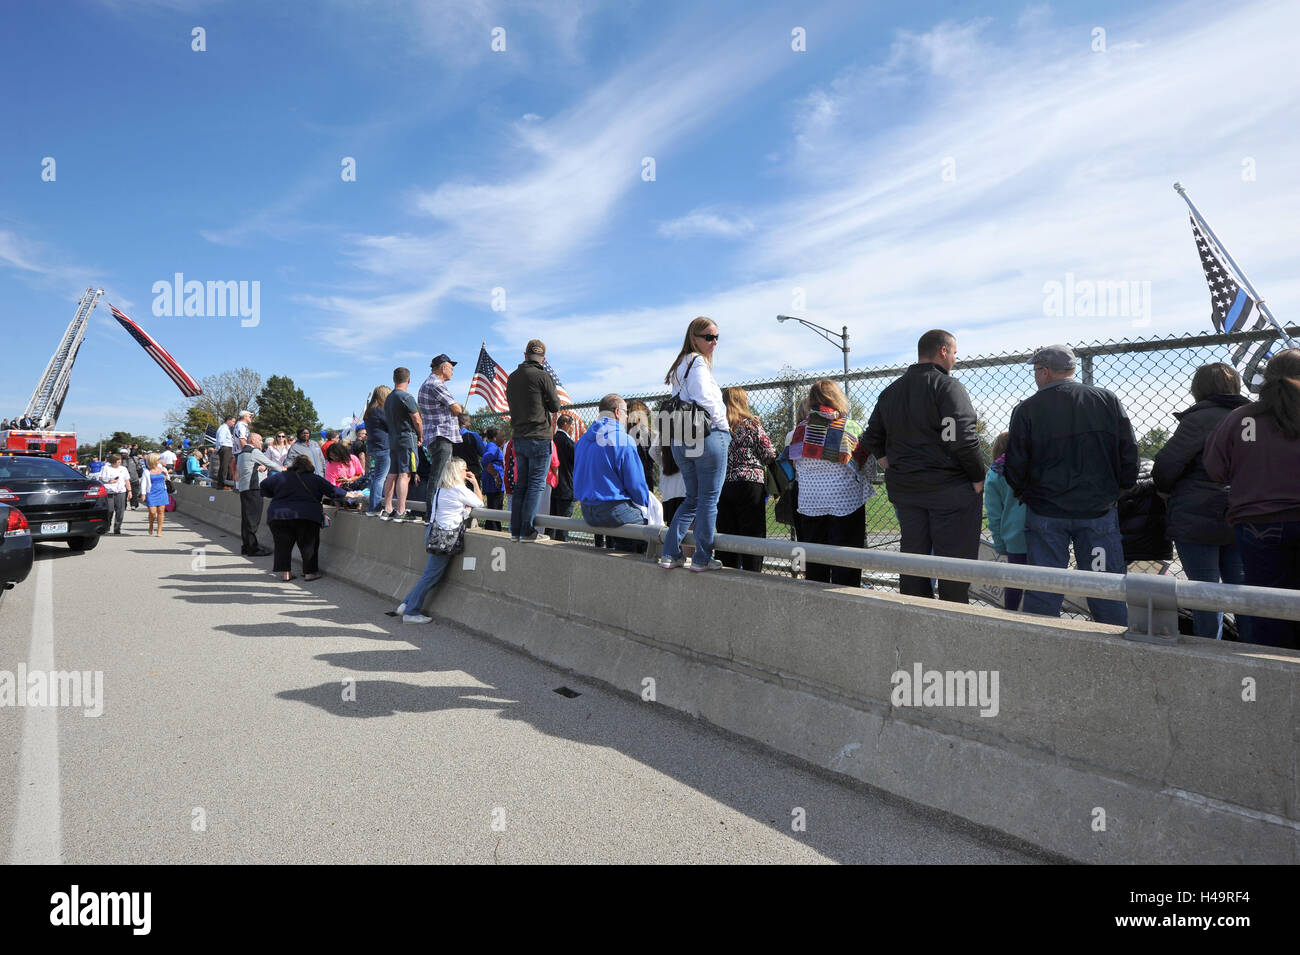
(1054, 358)
(535, 347)
(439, 359)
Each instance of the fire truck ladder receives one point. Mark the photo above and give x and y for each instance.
(47, 399)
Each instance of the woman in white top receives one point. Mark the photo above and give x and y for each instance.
(117, 481)
(278, 449)
(452, 502)
(703, 462)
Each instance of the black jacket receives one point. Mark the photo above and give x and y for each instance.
(1071, 450)
(564, 448)
(296, 496)
(1197, 510)
(1142, 519)
(530, 392)
(925, 424)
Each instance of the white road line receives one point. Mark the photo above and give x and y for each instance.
(38, 825)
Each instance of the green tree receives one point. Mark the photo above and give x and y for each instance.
(114, 441)
(1151, 443)
(224, 394)
(282, 406)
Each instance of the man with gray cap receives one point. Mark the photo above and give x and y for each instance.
(1071, 451)
(441, 416)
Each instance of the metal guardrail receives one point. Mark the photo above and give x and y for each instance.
(1153, 600)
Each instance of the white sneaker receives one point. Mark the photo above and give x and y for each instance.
(401, 608)
(713, 564)
(385, 515)
(668, 563)
(416, 618)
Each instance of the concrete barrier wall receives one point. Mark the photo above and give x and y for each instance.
(1101, 749)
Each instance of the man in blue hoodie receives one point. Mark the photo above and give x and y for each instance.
(607, 474)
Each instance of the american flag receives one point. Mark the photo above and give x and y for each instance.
(565, 401)
(188, 386)
(559, 388)
(1233, 310)
(489, 382)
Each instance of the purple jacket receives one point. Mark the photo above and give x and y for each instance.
(1262, 471)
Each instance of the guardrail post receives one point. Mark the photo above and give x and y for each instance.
(1152, 608)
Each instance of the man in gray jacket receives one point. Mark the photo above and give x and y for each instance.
(250, 465)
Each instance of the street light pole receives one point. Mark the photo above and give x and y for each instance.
(830, 336)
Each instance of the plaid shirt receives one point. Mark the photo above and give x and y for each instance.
(435, 411)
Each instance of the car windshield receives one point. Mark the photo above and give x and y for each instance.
(19, 469)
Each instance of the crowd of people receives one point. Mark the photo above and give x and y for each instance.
(1066, 474)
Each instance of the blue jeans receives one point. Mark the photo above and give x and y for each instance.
(614, 514)
(532, 460)
(1097, 543)
(704, 474)
(1213, 564)
(434, 568)
(378, 474)
(1270, 555)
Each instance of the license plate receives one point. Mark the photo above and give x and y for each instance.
(60, 528)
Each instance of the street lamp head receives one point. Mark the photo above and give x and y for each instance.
(783, 318)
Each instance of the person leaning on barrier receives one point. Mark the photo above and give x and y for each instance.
(607, 475)
(1256, 451)
(1196, 513)
(455, 496)
(923, 430)
(1070, 453)
(295, 515)
(703, 461)
(832, 489)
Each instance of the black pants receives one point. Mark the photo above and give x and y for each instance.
(116, 510)
(493, 501)
(945, 523)
(560, 507)
(250, 517)
(847, 531)
(306, 534)
(742, 509)
(224, 458)
(135, 493)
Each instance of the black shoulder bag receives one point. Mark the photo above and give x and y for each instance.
(443, 540)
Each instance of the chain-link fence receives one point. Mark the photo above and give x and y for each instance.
(1151, 377)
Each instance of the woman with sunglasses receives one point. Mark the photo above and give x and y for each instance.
(703, 463)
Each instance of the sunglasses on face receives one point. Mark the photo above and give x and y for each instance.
(708, 338)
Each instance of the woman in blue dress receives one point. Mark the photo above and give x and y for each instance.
(155, 497)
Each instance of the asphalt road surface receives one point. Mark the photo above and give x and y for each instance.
(248, 720)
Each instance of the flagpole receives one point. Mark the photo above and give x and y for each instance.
(1259, 301)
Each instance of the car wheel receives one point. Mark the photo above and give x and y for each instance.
(83, 543)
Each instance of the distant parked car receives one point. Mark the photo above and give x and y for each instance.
(15, 548)
(59, 503)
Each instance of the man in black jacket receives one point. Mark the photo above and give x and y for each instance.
(1071, 451)
(923, 431)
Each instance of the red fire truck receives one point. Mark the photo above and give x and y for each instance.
(59, 445)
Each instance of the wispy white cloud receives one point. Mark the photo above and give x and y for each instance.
(568, 175)
(706, 222)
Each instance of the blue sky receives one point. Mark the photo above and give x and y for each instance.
(918, 165)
